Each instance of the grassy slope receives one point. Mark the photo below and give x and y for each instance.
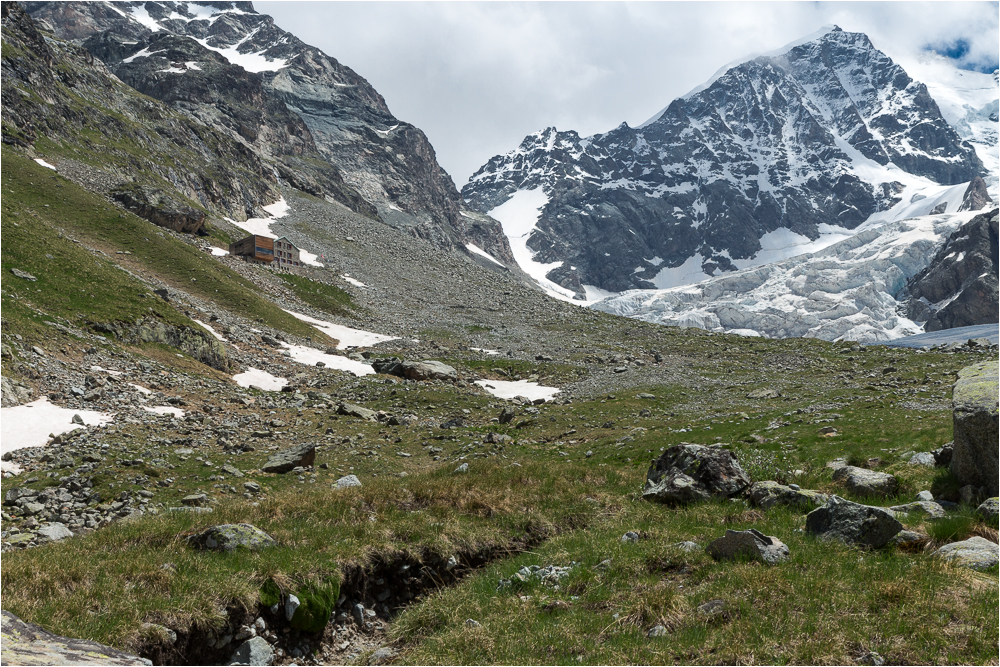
(40, 207)
(828, 604)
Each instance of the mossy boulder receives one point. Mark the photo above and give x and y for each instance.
(231, 536)
(317, 602)
(975, 411)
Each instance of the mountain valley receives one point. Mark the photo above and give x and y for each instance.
(426, 458)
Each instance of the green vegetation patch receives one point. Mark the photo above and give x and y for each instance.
(319, 295)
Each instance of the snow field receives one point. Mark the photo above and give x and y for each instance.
(29, 425)
(510, 389)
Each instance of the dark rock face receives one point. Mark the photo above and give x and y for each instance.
(769, 144)
(686, 473)
(317, 124)
(976, 197)
(291, 458)
(960, 286)
(974, 416)
(56, 90)
(853, 523)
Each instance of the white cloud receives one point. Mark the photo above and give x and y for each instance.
(478, 77)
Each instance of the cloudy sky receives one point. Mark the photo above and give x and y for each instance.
(477, 77)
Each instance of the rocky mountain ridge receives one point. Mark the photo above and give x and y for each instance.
(320, 125)
(813, 139)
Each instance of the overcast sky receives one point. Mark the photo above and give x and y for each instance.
(477, 77)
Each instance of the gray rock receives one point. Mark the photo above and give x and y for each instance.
(688, 546)
(462, 468)
(976, 552)
(748, 544)
(974, 417)
(923, 459)
(989, 509)
(768, 494)
(291, 604)
(254, 651)
(853, 523)
(358, 613)
(907, 537)
(630, 537)
(470, 623)
(428, 370)
(507, 415)
(657, 631)
(928, 507)
(231, 536)
(195, 500)
(712, 607)
(766, 392)
(291, 458)
(382, 656)
(686, 473)
(231, 470)
(942, 455)
(29, 644)
(925, 495)
(346, 482)
(54, 532)
(23, 274)
(353, 410)
(864, 482)
(251, 487)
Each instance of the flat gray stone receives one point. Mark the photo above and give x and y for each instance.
(254, 651)
(976, 552)
(922, 459)
(864, 482)
(194, 500)
(347, 481)
(428, 370)
(768, 494)
(382, 656)
(925, 495)
(291, 458)
(748, 544)
(29, 644)
(352, 410)
(974, 420)
(853, 523)
(231, 536)
(928, 507)
(54, 532)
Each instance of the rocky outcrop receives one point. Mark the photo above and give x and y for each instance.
(976, 196)
(161, 209)
(764, 146)
(195, 342)
(57, 90)
(974, 459)
(313, 122)
(29, 644)
(686, 473)
(960, 286)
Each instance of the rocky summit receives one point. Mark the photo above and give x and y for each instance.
(273, 394)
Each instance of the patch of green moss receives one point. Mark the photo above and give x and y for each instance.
(316, 603)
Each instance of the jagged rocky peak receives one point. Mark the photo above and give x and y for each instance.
(778, 150)
(283, 98)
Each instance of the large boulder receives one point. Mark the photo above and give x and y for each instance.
(686, 473)
(751, 544)
(932, 509)
(864, 482)
(428, 370)
(853, 523)
(974, 417)
(768, 494)
(231, 536)
(976, 552)
(28, 644)
(291, 458)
